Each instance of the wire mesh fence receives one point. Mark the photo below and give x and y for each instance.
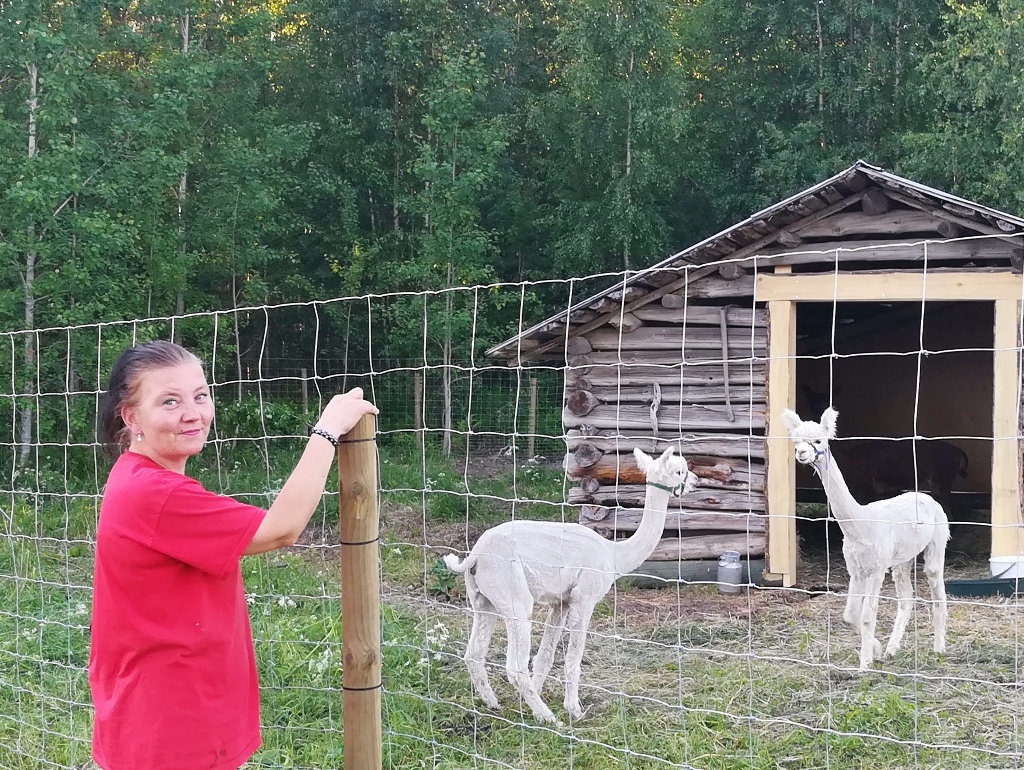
(674, 676)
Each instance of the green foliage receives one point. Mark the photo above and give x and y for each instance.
(975, 105)
(157, 158)
(255, 417)
(442, 583)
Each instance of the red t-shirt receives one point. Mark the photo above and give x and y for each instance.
(171, 663)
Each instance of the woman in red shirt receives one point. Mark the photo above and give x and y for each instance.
(171, 664)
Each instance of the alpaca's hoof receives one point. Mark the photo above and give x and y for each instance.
(575, 710)
(546, 716)
(876, 648)
(891, 649)
(939, 647)
(490, 700)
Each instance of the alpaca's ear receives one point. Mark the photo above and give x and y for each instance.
(643, 460)
(828, 421)
(791, 420)
(666, 454)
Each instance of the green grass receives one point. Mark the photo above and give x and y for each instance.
(670, 677)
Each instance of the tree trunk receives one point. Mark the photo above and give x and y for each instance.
(348, 332)
(28, 280)
(238, 341)
(179, 306)
(629, 158)
(446, 371)
(821, 58)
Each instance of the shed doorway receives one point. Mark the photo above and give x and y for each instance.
(893, 377)
(784, 292)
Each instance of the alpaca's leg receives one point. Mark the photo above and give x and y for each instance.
(854, 601)
(578, 621)
(934, 558)
(869, 646)
(502, 582)
(856, 605)
(517, 662)
(485, 618)
(905, 595)
(545, 656)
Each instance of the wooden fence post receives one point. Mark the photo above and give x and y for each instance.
(360, 596)
(417, 408)
(531, 443)
(305, 393)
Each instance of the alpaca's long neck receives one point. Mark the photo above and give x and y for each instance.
(848, 512)
(631, 553)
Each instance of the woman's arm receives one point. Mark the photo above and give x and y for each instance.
(299, 497)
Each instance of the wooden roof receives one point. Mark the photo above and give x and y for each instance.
(800, 219)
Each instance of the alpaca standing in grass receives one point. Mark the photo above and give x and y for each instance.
(567, 566)
(877, 537)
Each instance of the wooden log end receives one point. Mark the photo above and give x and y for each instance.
(788, 239)
(627, 322)
(857, 181)
(874, 202)
(730, 271)
(576, 346)
(579, 383)
(1017, 260)
(587, 455)
(581, 402)
(591, 513)
(673, 300)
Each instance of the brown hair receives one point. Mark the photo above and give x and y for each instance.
(123, 388)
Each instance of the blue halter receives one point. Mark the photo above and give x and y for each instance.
(818, 454)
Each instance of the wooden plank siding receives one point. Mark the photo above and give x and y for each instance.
(672, 358)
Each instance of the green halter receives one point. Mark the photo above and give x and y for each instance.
(677, 490)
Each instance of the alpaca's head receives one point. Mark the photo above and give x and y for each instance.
(811, 438)
(669, 470)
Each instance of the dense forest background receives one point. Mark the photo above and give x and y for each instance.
(161, 158)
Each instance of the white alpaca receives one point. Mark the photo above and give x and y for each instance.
(877, 537)
(519, 563)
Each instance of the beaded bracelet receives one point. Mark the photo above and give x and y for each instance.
(325, 434)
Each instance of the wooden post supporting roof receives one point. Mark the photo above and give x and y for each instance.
(779, 457)
(1007, 525)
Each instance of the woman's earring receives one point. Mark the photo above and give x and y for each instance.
(138, 436)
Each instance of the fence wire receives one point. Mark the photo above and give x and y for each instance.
(675, 674)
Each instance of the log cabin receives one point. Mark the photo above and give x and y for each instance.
(901, 302)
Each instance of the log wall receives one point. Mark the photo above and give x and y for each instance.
(671, 375)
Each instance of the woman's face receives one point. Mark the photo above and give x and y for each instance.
(173, 412)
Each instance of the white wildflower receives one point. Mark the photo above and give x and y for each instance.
(321, 662)
(437, 636)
